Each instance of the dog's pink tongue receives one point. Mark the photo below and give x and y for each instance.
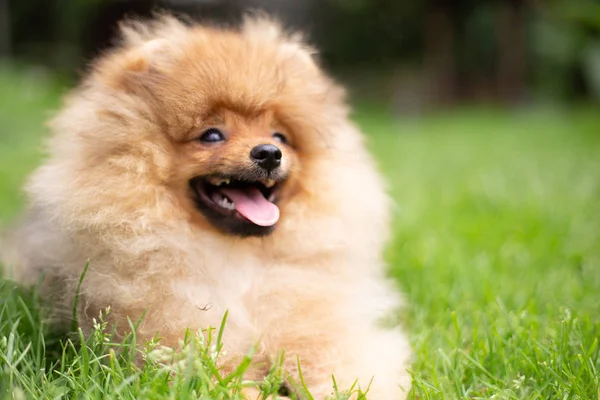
(252, 204)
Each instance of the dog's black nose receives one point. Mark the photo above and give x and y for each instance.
(267, 156)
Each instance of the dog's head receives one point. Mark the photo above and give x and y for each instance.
(195, 132)
(231, 121)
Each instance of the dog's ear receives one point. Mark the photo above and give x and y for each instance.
(292, 45)
(146, 49)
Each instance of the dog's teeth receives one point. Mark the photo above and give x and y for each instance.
(269, 183)
(218, 181)
(226, 203)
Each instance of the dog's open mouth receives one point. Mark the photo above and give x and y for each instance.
(239, 206)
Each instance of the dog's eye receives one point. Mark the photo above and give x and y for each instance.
(212, 135)
(280, 137)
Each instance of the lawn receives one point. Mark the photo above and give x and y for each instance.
(496, 247)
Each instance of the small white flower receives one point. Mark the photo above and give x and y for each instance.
(517, 383)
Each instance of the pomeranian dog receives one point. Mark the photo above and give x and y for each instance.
(199, 170)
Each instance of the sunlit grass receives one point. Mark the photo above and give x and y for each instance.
(496, 246)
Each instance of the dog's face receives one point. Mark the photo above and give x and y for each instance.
(231, 122)
(241, 171)
(241, 112)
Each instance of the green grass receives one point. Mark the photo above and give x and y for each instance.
(496, 247)
(26, 102)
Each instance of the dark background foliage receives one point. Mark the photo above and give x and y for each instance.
(412, 54)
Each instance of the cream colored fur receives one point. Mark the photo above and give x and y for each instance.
(113, 191)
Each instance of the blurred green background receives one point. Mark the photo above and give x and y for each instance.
(483, 115)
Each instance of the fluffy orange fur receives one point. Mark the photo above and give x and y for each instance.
(114, 191)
